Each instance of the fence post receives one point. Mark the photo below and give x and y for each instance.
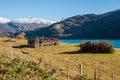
(95, 74)
(113, 76)
(12, 53)
(50, 67)
(67, 68)
(40, 60)
(80, 68)
(2, 50)
(58, 70)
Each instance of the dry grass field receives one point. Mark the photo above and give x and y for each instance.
(58, 56)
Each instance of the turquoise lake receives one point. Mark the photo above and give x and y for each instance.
(115, 43)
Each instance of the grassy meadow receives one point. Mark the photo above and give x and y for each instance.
(58, 56)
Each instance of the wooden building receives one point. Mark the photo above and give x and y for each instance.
(33, 43)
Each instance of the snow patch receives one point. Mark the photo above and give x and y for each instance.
(4, 20)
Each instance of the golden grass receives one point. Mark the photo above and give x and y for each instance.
(104, 63)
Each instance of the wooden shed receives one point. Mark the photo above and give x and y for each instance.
(33, 43)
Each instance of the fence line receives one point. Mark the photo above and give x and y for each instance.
(42, 61)
(69, 68)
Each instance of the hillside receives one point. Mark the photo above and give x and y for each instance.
(6, 29)
(58, 56)
(89, 26)
(11, 26)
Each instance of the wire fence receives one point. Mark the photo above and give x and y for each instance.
(66, 70)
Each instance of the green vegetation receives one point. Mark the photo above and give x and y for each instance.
(17, 69)
(96, 47)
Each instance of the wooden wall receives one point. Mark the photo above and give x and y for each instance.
(43, 42)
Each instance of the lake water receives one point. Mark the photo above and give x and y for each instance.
(115, 43)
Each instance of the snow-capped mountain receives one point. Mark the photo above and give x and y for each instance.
(29, 23)
(26, 20)
(25, 24)
(32, 20)
(4, 20)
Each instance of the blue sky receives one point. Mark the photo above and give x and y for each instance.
(54, 9)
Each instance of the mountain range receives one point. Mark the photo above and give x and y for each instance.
(8, 26)
(88, 26)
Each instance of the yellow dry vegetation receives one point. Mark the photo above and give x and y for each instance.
(59, 55)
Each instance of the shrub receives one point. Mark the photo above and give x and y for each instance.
(78, 77)
(17, 69)
(96, 47)
(20, 37)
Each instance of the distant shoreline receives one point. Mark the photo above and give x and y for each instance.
(115, 43)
